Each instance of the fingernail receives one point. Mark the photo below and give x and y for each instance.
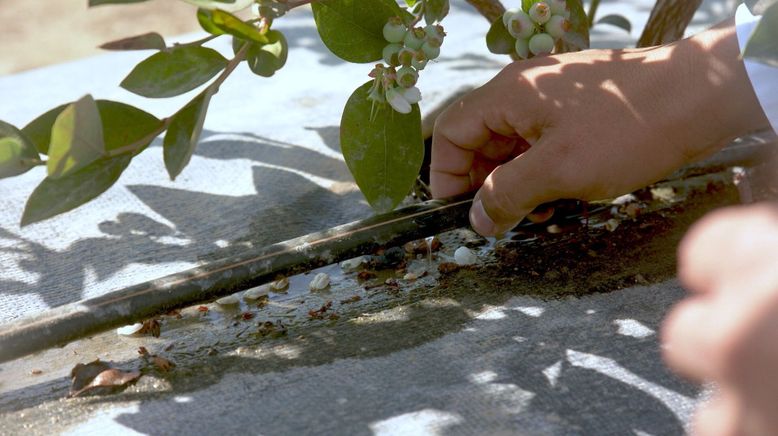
(480, 220)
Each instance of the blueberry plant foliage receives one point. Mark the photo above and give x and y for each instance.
(763, 42)
(86, 145)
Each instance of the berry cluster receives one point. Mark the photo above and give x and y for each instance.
(407, 53)
(537, 28)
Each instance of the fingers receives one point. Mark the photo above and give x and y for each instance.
(704, 251)
(459, 131)
(449, 168)
(688, 342)
(473, 125)
(711, 336)
(511, 192)
(731, 245)
(720, 416)
(726, 332)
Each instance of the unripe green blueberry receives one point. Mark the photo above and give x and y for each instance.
(506, 17)
(390, 54)
(395, 30)
(521, 26)
(414, 38)
(557, 26)
(435, 42)
(431, 51)
(406, 55)
(419, 60)
(412, 95)
(540, 12)
(407, 77)
(434, 31)
(559, 7)
(397, 101)
(542, 43)
(522, 48)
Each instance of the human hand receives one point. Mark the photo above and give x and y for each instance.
(590, 125)
(727, 332)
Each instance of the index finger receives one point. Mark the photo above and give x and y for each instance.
(460, 130)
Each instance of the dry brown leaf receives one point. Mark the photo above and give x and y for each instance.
(98, 374)
(151, 327)
(448, 267)
(162, 364)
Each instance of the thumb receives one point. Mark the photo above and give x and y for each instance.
(511, 192)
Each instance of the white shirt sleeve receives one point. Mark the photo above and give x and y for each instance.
(764, 78)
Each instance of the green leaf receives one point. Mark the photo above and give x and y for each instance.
(205, 18)
(39, 129)
(147, 41)
(353, 29)
(498, 40)
(758, 7)
(76, 138)
(411, 3)
(174, 72)
(112, 2)
(53, 197)
(619, 21)
(236, 27)
(578, 37)
(762, 46)
(225, 5)
(265, 59)
(436, 10)
(383, 149)
(183, 134)
(17, 153)
(122, 125)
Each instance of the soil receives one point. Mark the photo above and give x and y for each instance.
(584, 260)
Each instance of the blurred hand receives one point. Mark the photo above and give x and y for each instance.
(727, 332)
(590, 125)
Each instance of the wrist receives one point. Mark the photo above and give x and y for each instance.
(721, 99)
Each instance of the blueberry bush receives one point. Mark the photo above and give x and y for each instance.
(86, 145)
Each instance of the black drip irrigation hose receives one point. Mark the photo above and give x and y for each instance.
(67, 323)
(58, 326)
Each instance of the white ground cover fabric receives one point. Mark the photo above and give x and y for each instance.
(268, 169)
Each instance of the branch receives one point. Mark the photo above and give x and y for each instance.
(593, 11)
(234, 62)
(490, 9)
(668, 21)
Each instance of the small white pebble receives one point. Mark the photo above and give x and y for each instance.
(554, 229)
(410, 276)
(256, 293)
(353, 264)
(612, 224)
(465, 256)
(129, 330)
(625, 199)
(319, 282)
(280, 284)
(229, 300)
